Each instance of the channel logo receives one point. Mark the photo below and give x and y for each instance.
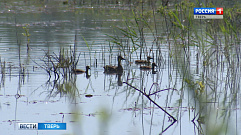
(42, 126)
(208, 13)
(28, 126)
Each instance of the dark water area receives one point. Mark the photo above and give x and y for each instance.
(172, 100)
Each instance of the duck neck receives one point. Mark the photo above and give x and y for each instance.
(87, 71)
(119, 63)
(148, 59)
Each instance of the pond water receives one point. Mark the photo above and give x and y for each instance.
(101, 103)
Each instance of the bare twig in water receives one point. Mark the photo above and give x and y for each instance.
(148, 97)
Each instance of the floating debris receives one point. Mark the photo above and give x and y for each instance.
(88, 95)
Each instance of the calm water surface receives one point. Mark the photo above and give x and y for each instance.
(114, 107)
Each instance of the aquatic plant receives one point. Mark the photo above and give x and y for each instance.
(212, 53)
(26, 34)
(133, 34)
(212, 45)
(89, 47)
(61, 64)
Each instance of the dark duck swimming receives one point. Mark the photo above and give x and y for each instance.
(109, 69)
(152, 67)
(147, 61)
(80, 71)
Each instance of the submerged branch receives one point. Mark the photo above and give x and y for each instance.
(148, 96)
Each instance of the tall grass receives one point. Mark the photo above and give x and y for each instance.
(211, 42)
(212, 45)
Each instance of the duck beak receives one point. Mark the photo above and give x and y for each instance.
(122, 58)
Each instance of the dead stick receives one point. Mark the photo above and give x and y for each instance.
(148, 96)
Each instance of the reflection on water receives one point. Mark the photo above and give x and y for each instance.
(37, 87)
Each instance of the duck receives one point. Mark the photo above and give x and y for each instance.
(80, 71)
(114, 69)
(152, 67)
(144, 61)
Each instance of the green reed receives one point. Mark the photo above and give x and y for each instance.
(216, 50)
(211, 45)
(26, 34)
(59, 64)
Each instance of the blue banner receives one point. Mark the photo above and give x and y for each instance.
(204, 11)
(51, 126)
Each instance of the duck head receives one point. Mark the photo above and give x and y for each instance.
(148, 58)
(120, 58)
(153, 64)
